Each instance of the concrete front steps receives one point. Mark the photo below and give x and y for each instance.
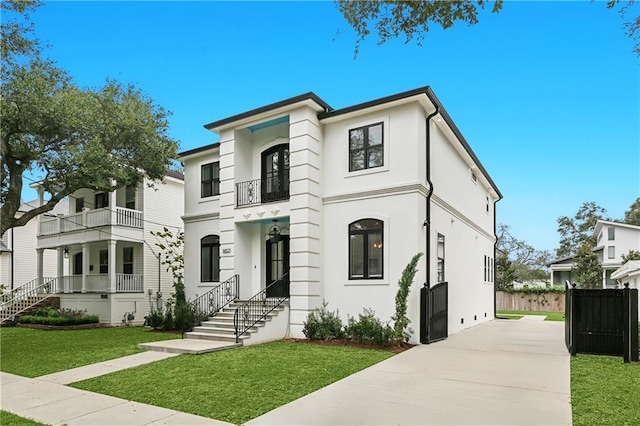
(220, 327)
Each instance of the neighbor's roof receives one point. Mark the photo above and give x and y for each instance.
(198, 150)
(61, 208)
(627, 269)
(601, 223)
(564, 259)
(330, 112)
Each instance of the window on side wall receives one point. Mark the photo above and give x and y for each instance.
(366, 147)
(365, 249)
(440, 251)
(210, 178)
(210, 259)
(612, 233)
(611, 252)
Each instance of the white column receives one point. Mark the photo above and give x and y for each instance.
(112, 206)
(40, 202)
(227, 208)
(604, 278)
(40, 262)
(60, 265)
(112, 266)
(85, 266)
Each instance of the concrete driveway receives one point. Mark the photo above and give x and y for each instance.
(504, 372)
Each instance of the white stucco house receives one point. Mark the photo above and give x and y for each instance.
(613, 239)
(114, 268)
(351, 195)
(18, 249)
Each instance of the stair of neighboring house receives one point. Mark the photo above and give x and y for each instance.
(220, 327)
(12, 312)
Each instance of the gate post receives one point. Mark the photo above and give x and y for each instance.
(574, 310)
(630, 326)
(424, 313)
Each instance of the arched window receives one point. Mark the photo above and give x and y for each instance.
(210, 259)
(275, 173)
(365, 249)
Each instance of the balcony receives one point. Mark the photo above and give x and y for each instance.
(261, 191)
(120, 216)
(101, 283)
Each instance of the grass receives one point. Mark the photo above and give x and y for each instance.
(10, 419)
(604, 391)
(550, 316)
(31, 353)
(236, 385)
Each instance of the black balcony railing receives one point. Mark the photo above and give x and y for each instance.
(259, 191)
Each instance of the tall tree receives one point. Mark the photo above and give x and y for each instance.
(632, 216)
(73, 137)
(412, 19)
(578, 230)
(518, 261)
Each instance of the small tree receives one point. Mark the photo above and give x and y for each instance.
(632, 255)
(587, 269)
(402, 332)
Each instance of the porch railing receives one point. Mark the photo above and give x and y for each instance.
(100, 283)
(22, 298)
(260, 305)
(120, 216)
(260, 191)
(129, 283)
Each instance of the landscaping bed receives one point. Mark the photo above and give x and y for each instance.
(61, 327)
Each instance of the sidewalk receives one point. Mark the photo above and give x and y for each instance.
(504, 372)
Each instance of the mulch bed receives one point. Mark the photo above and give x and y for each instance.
(392, 348)
(62, 327)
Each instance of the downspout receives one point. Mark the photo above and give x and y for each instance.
(427, 222)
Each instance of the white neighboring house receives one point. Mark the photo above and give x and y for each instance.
(354, 193)
(114, 268)
(18, 249)
(613, 239)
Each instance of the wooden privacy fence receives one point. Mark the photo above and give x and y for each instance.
(519, 301)
(602, 321)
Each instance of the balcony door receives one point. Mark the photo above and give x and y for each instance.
(275, 173)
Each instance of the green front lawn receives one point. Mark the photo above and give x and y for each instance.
(31, 353)
(550, 316)
(11, 419)
(236, 385)
(604, 391)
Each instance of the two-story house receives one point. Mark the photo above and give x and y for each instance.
(115, 268)
(335, 202)
(613, 239)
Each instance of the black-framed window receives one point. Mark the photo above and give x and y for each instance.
(104, 261)
(210, 178)
(210, 259)
(366, 147)
(79, 204)
(127, 260)
(275, 173)
(101, 200)
(130, 197)
(440, 252)
(365, 249)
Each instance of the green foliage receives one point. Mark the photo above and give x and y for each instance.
(369, 329)
(58, 317)
(322, 324)
(577, 231)
(392, 19)
(402, 332)
(236, 385)
(28, 352)
(632, 255)
(587, 268)
(632, 216)
(535, 290)
(517, 261)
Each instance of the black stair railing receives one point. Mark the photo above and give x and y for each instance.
(211, 302)
(259, 306)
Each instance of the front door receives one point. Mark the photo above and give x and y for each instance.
(278, 267)
(275, 173)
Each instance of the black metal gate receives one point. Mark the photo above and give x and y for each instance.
(434, 312)
(602, 321)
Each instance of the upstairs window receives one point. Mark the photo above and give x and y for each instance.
(79, 204)
(101, 200)
(611, 252)
(365, 249)
(612, 233)
(130, 198)
(210, 177)
(366, 147)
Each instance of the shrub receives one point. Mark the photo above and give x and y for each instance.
(322, 324)
(535, 290)
(54, 317)
(369, 329)
(401, 329)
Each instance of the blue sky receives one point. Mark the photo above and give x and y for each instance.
(546, 93)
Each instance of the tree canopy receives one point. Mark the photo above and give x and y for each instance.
(412, 19)
(578, 230)
(518, 261)
(632, 216)
(68, 136)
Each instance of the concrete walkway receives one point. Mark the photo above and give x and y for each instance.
(504, 372)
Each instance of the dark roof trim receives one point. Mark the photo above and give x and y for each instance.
(280, 104)
(434, 100)
(174, 174)
(197, 150)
